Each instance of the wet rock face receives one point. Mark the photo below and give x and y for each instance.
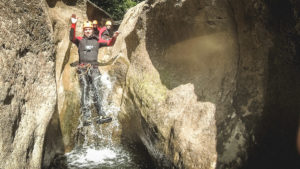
(61, 132)
(160, 106)
(27, 80)
(68, 104)
(268, 91)
(196, 42)
(239, 56)
(37, 34)
(206, 84)
(67, 79)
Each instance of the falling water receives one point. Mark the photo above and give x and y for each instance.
(97, 148)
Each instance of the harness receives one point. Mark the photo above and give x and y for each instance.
(86, 66)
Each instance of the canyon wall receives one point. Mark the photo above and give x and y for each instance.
(239, 56)
(27, 83)
(201, 83)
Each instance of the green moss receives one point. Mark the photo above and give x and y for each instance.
(149, 89)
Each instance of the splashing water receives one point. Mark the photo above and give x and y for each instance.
(92, 157)
(99, 150)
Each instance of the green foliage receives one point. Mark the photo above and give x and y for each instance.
(117, 8)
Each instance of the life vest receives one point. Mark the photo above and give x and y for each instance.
(88, 50)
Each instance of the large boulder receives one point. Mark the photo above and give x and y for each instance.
(181, 72)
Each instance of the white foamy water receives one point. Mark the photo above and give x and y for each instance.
(109, 108)
(98, 155)
(95, 158)
(90, 157)
(105, 79)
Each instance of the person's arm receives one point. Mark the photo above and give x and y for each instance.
(105, 35)
(73, 38)
(110, 42)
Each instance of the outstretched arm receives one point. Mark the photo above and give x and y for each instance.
(101, 31)
(110, 42)
(73, 30)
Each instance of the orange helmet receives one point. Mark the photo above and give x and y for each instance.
(87, 24)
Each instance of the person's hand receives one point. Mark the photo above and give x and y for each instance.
(74, 19)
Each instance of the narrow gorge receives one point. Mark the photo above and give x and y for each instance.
(197, 84)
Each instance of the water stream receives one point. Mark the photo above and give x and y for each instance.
(100, 146)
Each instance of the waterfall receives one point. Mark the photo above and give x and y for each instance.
(98, 145)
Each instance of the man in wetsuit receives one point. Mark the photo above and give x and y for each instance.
(89, 75)
(105, 31)
(96, 28)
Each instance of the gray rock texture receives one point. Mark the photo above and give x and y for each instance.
(27, 82)
(66, 78)
(201, 83)
(166, 70)
(240, 56)
(268, 91)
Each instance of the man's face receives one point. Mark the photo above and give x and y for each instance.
(95, 25)
(88, 32)
(108, 27)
